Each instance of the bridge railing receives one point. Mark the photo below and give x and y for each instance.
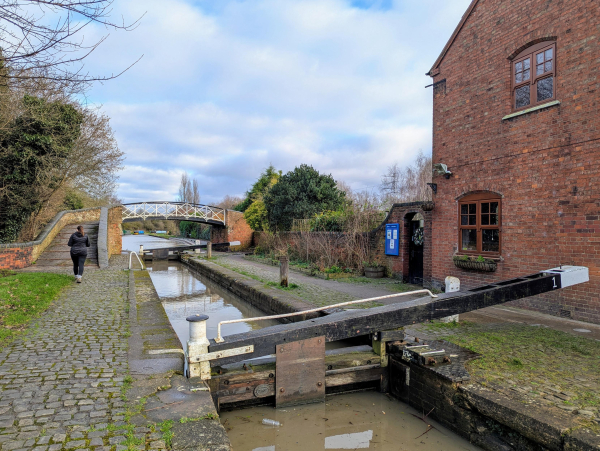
(173, 210)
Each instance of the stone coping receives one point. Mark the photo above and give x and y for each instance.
(102, 243)
(269, 300)
(531, 110)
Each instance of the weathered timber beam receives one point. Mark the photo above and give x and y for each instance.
(339, 326)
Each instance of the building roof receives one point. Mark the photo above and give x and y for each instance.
(453, 37)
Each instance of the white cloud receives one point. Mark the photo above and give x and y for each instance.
(225, 89)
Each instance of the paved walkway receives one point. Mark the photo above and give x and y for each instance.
(61, 381)
(320, 292)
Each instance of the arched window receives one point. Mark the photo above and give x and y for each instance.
(534, 75)
(479, 224)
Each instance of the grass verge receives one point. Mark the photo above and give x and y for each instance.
(539, 360)
(23, 297)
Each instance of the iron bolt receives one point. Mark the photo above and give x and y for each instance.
(319, 384)
(281, 390)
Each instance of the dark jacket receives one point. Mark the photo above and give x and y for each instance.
(79, 244)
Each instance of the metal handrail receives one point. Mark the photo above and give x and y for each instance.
(174, 209)
(137, 256)
(220, 339)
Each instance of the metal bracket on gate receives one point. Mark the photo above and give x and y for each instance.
(420, 353)
(221, 354)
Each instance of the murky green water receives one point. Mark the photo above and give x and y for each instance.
(365, 420)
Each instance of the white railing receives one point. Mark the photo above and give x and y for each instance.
(131, 254)
(173, 210)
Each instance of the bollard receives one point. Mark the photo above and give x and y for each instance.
(141, 250)
(209, 249)
(197, 251)
(284, 267)
(197, 345)
(452, 286)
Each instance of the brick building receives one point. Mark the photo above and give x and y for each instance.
(516, 120)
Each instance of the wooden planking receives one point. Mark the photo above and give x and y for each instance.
(241, 385)
(339, 326)
(300, 372)
(353, 377)
(333, 378)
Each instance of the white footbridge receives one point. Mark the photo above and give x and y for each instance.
(180, 211)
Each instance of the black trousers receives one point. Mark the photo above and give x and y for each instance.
(78, 262)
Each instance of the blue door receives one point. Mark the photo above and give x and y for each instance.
(392, 239)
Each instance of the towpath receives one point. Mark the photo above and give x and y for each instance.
(62, 380)
(319, 292)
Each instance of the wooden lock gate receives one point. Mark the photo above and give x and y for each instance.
(298, 369)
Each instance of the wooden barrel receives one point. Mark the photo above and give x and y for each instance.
(376, 272)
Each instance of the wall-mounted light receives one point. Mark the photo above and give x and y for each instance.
(441, 169)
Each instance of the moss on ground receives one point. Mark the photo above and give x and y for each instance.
(541, 362)
(23, 297)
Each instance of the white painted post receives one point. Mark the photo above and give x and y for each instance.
(141, 250)
(197, 251)
(197, 345)
(452, 286)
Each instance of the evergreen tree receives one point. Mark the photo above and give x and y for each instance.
(301, 194)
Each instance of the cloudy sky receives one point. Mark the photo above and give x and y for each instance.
(227, 87)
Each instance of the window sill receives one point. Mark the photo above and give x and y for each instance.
(532, 109)
(497, 258)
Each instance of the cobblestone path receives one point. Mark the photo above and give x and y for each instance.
(317, 291)
(60, 382)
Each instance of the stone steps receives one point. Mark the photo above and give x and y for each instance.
(58, 253)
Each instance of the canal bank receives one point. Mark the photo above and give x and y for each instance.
(478, 413)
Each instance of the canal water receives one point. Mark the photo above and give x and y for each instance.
(365, 420)
(184, 293)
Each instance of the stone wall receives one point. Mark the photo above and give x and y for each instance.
(21, 255)
(544, 164)
(483, 416)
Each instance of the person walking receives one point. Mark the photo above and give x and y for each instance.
(79, 242)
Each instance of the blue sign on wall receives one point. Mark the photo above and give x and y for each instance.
(392, 239)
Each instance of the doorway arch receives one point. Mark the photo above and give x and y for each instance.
(415, 237)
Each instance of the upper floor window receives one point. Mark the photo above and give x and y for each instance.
(534, 75)
(479, 224)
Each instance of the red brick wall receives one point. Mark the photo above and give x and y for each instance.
(115, 240)
(16, 257)
(544, 164)
(399, 265)
(237, 230)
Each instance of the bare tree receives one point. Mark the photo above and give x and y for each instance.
(408, 184)
(195, 192)
(43, 39)
(189, 190)
(91, 168)
(230, 202)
